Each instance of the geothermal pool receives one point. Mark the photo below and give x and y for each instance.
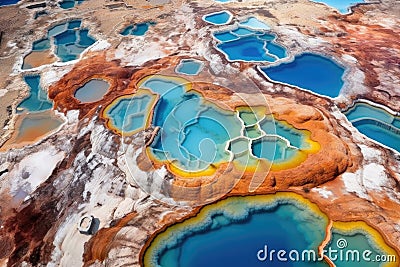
(376, 123)
(196, 136)
(218, 18)
(139, 29)
(189, 67)
(249, 43)
(129, 114)
(232, 232)
(68, 4)
(313, 72)
(37, 99)
(92, 91)
(70, 40)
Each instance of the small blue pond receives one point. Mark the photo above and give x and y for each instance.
(250, 43)
(8, 2)
(204, 129)
(70, 40)
(313, 72)
(343, 6)
(218, 18)
(139, 29)
(37, 99)
(254, 23)
(376, 123)
(67, 4)
(189, 67)
(92, 91)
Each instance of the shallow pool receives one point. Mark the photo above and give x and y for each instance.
(68, 4)
(70, 40)
(249, 42)
(189, 67)
(92, 91)
(139, 29)
(194, 132)
(130, 114)
(376, 123)
(218, 18)
(37, 99)
(313, 72)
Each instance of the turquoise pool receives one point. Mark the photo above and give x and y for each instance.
(233, 231)
(68, 4)
(376, 123)
(70, 40)
(92, 91)
(37, 99)
(129, 114)
(313, 72)
(189, 67)
(139, 29)
(250, 43)
(194, 132)
(343, 6)
(218, 18)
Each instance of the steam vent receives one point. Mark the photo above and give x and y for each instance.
(188, 133)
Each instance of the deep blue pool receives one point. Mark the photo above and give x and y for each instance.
(316, 73)
(8, 2)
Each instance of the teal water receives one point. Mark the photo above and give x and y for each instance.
(225, 36)
(139, 29)
(68, 4)
(92, 91)
(219, 18)
(66, 37)
(189, 67)
(309, 71)
(376, 123)
(363, 110)
(249, 44)
(37, 99)
(129, 114)
(357, 243)
(275, 127)
(41, 45)
(343, 6)
(70, 40)
(234, 235)
(193, 131)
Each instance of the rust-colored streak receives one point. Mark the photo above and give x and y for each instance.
(99, 245)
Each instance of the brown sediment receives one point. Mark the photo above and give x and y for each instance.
(38, 58)
(95, 67)
(46, 123)
(99, 245)
(375, 48)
